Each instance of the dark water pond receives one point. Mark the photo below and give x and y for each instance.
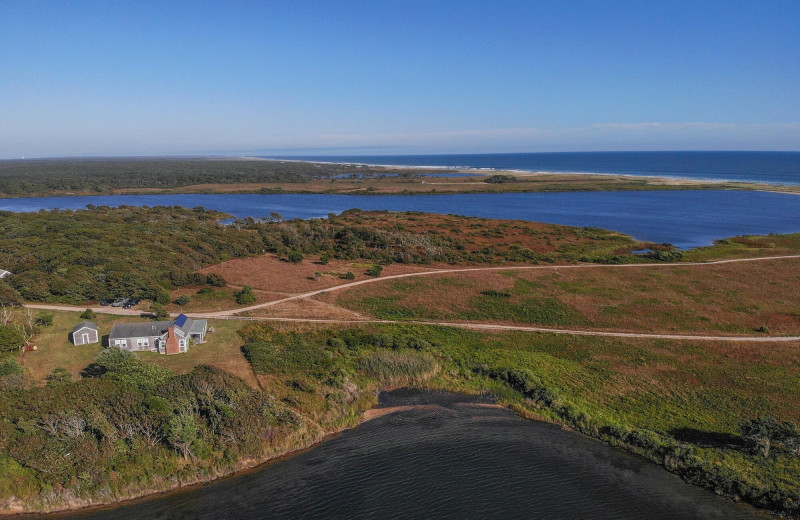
(456, 459)
(684, 218)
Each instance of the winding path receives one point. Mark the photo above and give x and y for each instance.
(471, 269)
(235, 313)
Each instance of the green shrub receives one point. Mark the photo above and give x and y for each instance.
(246, 296)
(349, 275)
(10, 338)
(496, 294)
(11, 366)
(59, 375)
(158, 311)
(45, 319)
(499, 179)
(215, 280)
(183, 299)
(88, 314)
(295, 256)
(375, 270)
(665, 256)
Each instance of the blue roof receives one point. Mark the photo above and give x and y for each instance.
(181, 321)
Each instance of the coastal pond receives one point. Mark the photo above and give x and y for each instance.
(444, 456)
(685, 218)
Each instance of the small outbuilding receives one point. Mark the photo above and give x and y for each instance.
(85, 333)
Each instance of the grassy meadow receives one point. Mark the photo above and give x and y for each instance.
(736, 298)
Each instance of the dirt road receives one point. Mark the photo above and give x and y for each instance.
(235, 313)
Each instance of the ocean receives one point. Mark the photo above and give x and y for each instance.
(766, 167)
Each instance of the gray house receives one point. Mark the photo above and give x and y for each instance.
(164, 337)
(85, 333)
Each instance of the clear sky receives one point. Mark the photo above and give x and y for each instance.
(379, 76)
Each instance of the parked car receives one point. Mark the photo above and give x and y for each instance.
(119, 302)
(128, 304)
(106, 302)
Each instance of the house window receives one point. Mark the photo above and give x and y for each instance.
(142, 342)
(121, 343)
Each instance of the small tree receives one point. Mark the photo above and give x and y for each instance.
(349, 276)
(764, 431)
(10, 338)
(375, 270)
(158, 311)
(182, 432)
(246, 296)
(88, 314)
(325, 258)
(183, 300)
(45, 319)
(161, 296)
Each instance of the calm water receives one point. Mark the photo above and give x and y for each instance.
(454, 460)
(771, 167)
(684, 218)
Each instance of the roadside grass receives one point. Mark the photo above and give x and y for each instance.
(737, 298)
(205, 298)
(544, 311)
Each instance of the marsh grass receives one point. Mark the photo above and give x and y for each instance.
(397, 367)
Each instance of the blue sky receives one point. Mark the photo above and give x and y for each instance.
(155, 78)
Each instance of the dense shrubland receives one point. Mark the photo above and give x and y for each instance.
(129, 426)
(87, 255)
(28, 177)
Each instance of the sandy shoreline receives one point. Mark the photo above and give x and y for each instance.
(660, 179)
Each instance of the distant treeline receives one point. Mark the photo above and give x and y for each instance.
(26, 177)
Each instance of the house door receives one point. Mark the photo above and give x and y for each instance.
(85, 338)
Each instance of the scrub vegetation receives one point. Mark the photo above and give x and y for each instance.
(87, 425)
(737, 298)
(46, 177)
(88, 255)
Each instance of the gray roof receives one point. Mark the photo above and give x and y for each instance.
(194, 326)
(157, 328)
(139, 330)
(87, 324)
